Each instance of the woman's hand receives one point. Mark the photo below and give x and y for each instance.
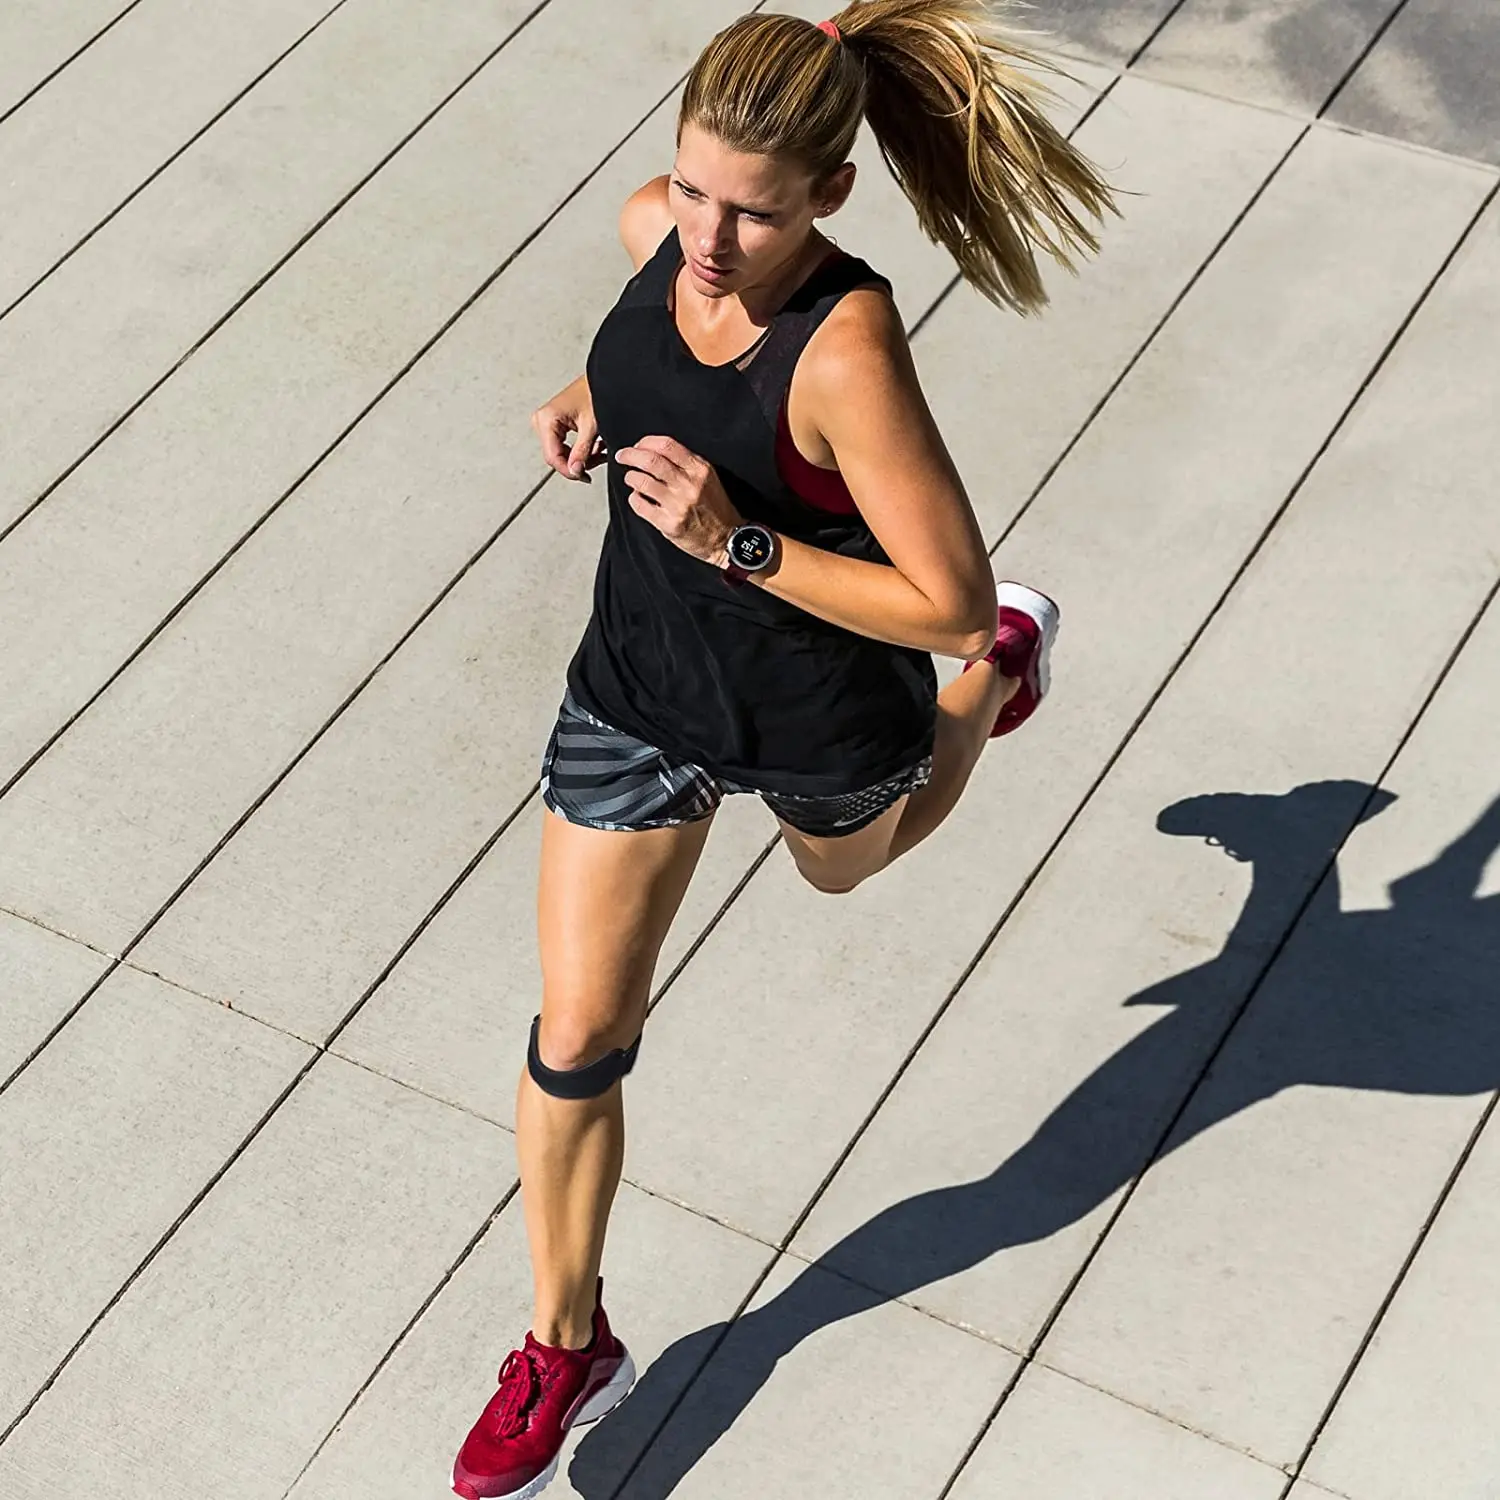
(570, 412)
(681, 495)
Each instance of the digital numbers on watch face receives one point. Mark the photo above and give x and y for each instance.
(750, 548)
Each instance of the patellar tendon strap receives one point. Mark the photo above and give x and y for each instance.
(578, 1083)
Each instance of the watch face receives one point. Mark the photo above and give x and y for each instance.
(750, 548)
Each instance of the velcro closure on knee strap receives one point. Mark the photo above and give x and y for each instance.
(579, 1083)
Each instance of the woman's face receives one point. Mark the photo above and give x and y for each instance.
(742, 219)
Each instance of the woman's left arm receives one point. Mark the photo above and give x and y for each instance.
(858, 384)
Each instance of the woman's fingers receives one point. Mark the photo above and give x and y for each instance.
(675, 453)
(553, 432)
(647, 487)
(554, 427)
(583, 448)
(647, 461)
(646, 509)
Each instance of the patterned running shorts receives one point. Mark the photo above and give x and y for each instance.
(602, 777)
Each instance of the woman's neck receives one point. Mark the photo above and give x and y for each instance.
(763, 300)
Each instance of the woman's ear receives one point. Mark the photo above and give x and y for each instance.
(834, 193)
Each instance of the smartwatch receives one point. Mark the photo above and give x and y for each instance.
(751, 549)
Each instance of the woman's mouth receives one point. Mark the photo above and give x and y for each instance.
(708, 273)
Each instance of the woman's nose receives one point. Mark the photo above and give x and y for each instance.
(712, 239)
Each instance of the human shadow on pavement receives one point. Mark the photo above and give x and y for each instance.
(1404, 999)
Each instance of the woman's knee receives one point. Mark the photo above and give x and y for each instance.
(574, 1036)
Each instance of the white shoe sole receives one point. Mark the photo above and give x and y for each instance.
(608, 1396)
(1047, 616)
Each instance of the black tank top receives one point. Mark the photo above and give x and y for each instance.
(736, 680)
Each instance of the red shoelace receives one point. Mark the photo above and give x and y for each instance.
(519, 1387)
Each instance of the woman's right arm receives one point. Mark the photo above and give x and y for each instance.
(566, 425)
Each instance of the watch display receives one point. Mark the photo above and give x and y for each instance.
(751, 548)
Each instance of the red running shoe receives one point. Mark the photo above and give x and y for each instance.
(1023, 648)
(544, 1393)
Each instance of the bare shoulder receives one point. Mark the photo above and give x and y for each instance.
(862, 340)
(645, 220)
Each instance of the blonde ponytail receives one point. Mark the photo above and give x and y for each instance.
(957, 108)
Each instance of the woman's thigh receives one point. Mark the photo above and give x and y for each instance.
(606, 899)
(836, 865)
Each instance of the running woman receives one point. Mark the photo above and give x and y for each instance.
(788, 546)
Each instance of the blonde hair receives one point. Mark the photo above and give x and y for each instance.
(957, 108)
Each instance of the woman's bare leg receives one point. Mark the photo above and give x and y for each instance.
(605, 903)
(966, 712)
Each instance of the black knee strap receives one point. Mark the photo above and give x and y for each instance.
(579, 1083)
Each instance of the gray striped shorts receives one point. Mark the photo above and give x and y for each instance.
(602, 777)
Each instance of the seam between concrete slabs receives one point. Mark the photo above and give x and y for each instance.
(1319, 118)
(57, 932)
(1347, 77)
(71, 58)
(1161, 1416)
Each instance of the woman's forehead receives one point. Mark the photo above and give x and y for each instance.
(709, 165)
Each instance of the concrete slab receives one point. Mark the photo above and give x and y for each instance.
(42, 976)
(1160, 503)
(884, 1401)
(1013, 393)
(1235, 1289)
(1289, 54)
(1058, 1440)
(238, 1348)
(1106, 31)
(364, 551)
(1418, 1417)
(79, 353)
(1431, 80)
(401, 1437)
(94, 135)
(39, 36)
(104, 1142)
